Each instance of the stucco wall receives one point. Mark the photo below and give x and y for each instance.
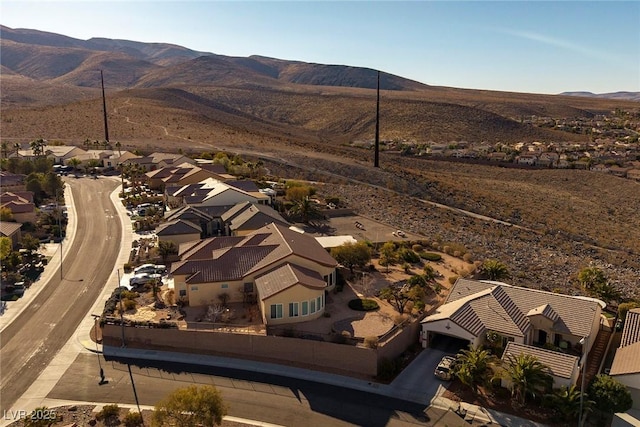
(345, 359)
(297, 293)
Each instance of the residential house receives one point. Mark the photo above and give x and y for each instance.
(162, 160)
(246, 217)
(12, 231)
(178, 231)
(600, 167)
(211, 192)
(12, 181)
(210, 225)
(626, 362)
(497, 156)
(633, 174)
(548, 159)
(61, 153)
(528, 317)
(180, 175)
(527, 159)
(618, 171)
(20, 204)
(563, 368)
(285, 271)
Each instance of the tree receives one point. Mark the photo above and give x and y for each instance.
(6, 246)
(475, 366)
(400, 294)
(527, 375)
(5, 149)
(30, 243)
(624, 308)
(493, 269)
(388, 254)
(74, 162)
(591, 278)
(191, 406)
(610, 395)
(167, 248)
(305, 209)
(352, 254)
(37, 146)
(6, 215)
(566, 402)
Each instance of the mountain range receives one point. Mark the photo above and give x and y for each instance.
(51, 87)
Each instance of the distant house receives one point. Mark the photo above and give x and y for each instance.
(20, 204)
(285, 271)
(600, 167)
(180, 175)
(548, 158)
(626, 362)
(531, 319)
(210, 225)
(211, 192)
(527, 159)
(61, 153)
(633, 174)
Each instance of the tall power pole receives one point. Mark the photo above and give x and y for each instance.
(104, 109)
(376, 159)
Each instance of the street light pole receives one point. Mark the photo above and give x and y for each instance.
(95, 330)
(121, 310)
(59, 227)
(585, 351)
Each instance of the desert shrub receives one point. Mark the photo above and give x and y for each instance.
(129, 295)
(408, 255)
(363, 304)
(129, 304)
(417, 248)
(108, 413)
(468, 258)
(128, 268)
(399, 319)
(430, 256)
(419, 305)
(133, 419)
(453, 279)
(371, 342)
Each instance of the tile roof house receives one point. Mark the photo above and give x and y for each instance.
(12, 231)
(247, 217)
(626, 362)
(20, 204)
(178, 231)
(180, 175)
(563, 368)
(527, 317)
(211, 192)
(286, 271)
(209, 222)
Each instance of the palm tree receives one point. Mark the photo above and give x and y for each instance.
(74, 162)
(494, 269)
(306, 209)
(37, 146)
(591, 278)
(527, 376)
(118, 147)
(475, 366)
(5, 150)
(17, 147)
(566, 402)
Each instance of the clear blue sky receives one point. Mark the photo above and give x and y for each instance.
(537, 46)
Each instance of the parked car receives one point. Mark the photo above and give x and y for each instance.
(151, 269)
(444, 370)
(142, 278)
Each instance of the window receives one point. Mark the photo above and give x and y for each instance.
(276, 311)
(225, 286)
(293, 309)
(313, 306)
(305, 308)
(319, 303)
(183, 292)
(194, 288)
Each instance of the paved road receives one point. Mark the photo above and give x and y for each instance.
(31, 341)
(268, 398)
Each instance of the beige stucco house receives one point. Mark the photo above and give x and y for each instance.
(626, 362)
(286, 272)
(530, 318)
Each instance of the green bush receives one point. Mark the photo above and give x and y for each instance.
(363, 304)
(430, 256)
(408, 255)
(129, 304)
(133, 419)
(129, 295)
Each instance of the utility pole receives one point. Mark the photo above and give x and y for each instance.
(121, 311)
(104, 109)
(376, 159)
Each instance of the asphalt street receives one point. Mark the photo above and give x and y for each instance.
(269, 398)
(30, 342)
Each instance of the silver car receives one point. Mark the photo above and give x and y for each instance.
(142, 278)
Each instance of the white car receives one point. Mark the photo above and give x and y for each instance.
(142, 278)
(445, 368)
(150, 269)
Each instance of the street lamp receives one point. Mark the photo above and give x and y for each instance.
(59, 226)
(95, 329)
(585, 353)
